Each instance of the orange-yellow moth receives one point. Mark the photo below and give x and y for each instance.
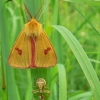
(32, 48)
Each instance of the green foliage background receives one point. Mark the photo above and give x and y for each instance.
(76, 76)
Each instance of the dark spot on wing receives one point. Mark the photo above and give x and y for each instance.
(47, 50)
(19, 51)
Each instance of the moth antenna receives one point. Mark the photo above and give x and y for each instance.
(28, 11)
(38, 10)
(40, 15)
(26, 14)
(43, 23)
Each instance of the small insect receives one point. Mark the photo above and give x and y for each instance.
(32, 48)
(41, 85)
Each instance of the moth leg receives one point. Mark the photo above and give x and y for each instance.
(48, 92)
(35, 91)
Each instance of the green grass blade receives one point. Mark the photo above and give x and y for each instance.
(54, 36)
(29, 89)
(83, 60)
(82, 96)
(89, 2)
(12, 91)
(86, 20)
(62, 82)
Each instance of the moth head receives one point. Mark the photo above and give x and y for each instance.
(33, 28)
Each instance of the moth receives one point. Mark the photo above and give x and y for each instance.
(32, 48)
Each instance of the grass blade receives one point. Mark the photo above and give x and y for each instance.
(83, 60)
(62, 82)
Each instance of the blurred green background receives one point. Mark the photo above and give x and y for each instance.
(71, 78)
